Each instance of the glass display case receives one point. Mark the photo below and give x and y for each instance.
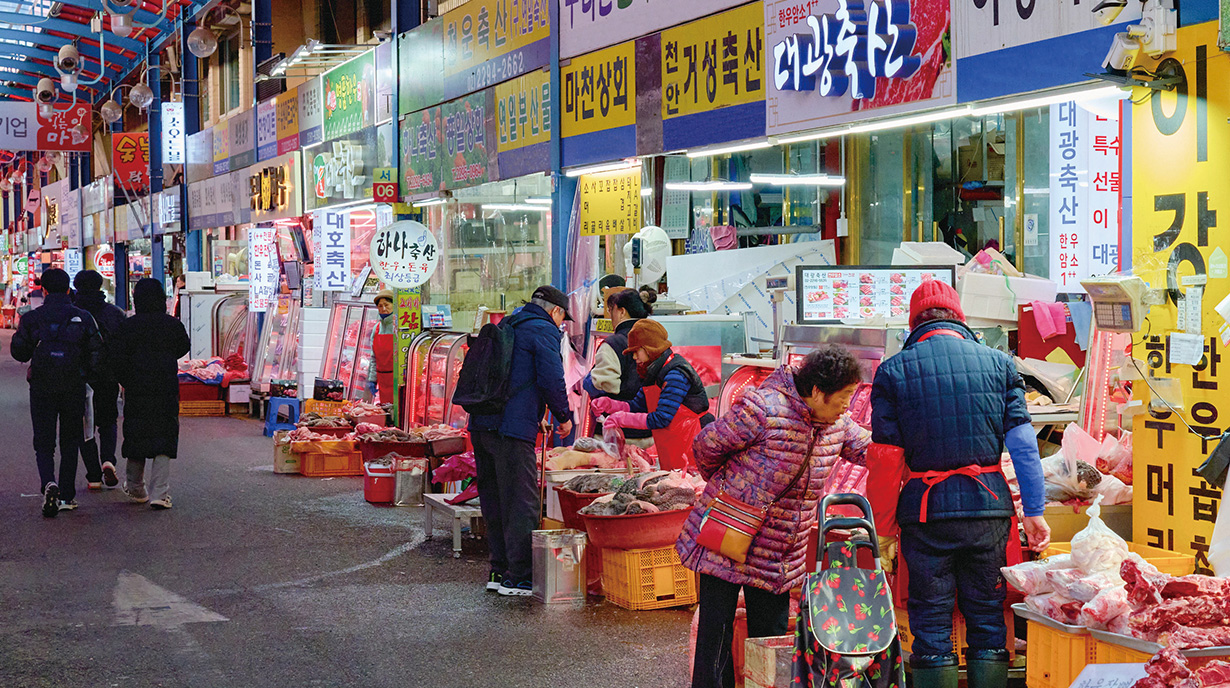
(230, 325)
(277, 356)
(349, 345)
(432, 370)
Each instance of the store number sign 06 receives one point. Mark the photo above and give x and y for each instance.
(404, 254)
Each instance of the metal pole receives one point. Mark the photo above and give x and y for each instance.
(156, 246)
(192, 124)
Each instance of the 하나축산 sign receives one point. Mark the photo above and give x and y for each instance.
(832, 61)
(404, 254)
(1181, 187)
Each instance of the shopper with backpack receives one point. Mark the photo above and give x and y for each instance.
(64, 348)
(511, 375)
(98, 453)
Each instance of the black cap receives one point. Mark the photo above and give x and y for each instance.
(554, 296)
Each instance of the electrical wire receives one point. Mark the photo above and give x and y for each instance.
(1158, 395)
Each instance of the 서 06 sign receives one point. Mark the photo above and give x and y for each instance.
(404, 254)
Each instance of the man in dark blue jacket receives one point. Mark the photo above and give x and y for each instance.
(504, 443)
(98, 453)
(64, 348)
(943, 411)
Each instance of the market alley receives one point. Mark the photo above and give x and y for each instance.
(256, 579)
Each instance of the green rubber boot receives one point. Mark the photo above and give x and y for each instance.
(982, 673)
(937, 677)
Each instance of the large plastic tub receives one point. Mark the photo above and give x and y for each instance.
(376, 450)
(639, 531)
(571, 502)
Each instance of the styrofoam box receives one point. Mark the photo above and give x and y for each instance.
(995, 297)
(196, 281)
(926, 253)
(239, 394)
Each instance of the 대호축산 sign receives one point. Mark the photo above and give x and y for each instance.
(333, 259)
(404, 254)
(829, 64)
(587, 25)
(173, 136)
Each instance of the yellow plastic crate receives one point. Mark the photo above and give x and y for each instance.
(1054, 658)
(1110, 653)
(324, 408)
(318, 465)
(647, 578)
(1166, 561)
(907, 637)
(202, 408)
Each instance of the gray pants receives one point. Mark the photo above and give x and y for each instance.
(159, 485)
(508, 496)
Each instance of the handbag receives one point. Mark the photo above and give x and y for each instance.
(729, 524)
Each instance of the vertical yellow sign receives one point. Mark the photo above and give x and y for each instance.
(1181, 204)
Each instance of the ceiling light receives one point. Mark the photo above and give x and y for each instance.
(121, 24)
(68, 82)
(523, 207)
(647, 191)
(731, 149)
(430, 201)
(141, 95)
(798, 180)
(1043, 101)
(6, 185)
(202, 42)
(708, 186)
(605, 167)
(111, 111)
(79, 134)
(538, 201)
(883, 125)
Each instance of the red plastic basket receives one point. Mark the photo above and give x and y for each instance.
(638, 531)
(376, 450)
(571, 502)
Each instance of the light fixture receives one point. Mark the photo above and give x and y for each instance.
(514, 207)
(111, 111)
(68, 82)
(798, 180)
(1043, 101)
(708, 186)
(79, 134)
(6, 185)
(604, 167)
(122, 11)
(437, 200)
(538, 201)
(141, 95)
(44, 164)
(315, 56)
(739, 148)
(646, 191)
(202, 42)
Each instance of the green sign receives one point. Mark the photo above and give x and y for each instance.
(451, 146)
(349, 96)
(420, 56)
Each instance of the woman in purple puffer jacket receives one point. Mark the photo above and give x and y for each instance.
(753, 453)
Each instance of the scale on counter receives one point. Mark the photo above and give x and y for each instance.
(1120, 302)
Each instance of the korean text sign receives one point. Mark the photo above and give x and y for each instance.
(173, 134)
(288, 122)
(523, 111)
(714, 62)
(587, 25)
(130, 159)
(349, 96)
(22, 128)
(333, 259)
(1181, 180)
(832, 61)
(404, 254)
(489, 41)
(610, 203)
(263, 267)
(1085, 191)
(311, 111)
(599, 91)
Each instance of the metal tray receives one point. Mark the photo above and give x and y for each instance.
(1153, 648)
(1021, 610)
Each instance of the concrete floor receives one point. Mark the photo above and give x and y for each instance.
(256, 579)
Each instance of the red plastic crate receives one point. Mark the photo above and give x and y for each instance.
(199, 391)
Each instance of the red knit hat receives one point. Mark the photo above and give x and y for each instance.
(934, 294)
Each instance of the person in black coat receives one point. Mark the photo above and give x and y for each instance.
(98, 453)
(144, 355)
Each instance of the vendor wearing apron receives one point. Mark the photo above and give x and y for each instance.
(384, 350)
(614, 374)
(943, 410)
(672, 402)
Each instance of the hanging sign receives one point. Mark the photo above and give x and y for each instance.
(200, 155)
(404, 254)
(348, 94)
(72, 262)
(333, 259)
(70, 220)
(311, 112)
(173, 139)
(22, 128)
(610, 202)
(170, 209)
(104, 262)
(263, 267)
(130, 160)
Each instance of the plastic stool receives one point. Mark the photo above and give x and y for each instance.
(271, 415)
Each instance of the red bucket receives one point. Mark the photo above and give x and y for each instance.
(571, 502)
(638, 531)
(378, 484)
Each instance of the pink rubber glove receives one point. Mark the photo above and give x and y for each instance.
(627, 419)
(604, 406)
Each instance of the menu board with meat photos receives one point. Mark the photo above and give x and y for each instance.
(860, 292)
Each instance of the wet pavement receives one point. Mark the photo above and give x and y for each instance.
(257, 579)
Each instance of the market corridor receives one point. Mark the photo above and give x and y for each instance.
(256, 579)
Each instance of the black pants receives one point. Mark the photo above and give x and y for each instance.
(508, 496)
(767, 615)
(956, 561)
(101, 449)
(67, 409)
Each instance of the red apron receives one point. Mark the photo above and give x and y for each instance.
(674, 442)
(384, 350)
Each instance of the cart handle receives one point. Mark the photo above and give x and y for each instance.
(845, 499)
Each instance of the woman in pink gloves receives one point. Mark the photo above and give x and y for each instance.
(672, 403)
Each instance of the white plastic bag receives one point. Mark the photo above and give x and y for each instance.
(1097, 547)
(1219, 547)
(1030, 577)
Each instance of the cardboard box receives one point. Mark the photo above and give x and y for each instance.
(767, 662)
(284, 460)
(239, 393)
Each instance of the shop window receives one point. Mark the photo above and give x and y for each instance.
(202, 88)
(229, 56)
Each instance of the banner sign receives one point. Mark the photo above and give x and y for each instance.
(587, 25)
(333, 260)
(420, 56)
(173, 136)
(832, 62)
(1181, 187)
(288, 122)
(130, 160)
(523, 123)
(348, 93)
(70, 218)
(22, 128)
(599, 91)
(450, 146)
(222, 148)
(243, 140)
(266, 130)
(714, 62)
(1085, 191)
(263, 267)
(610, 202)
(489, 41)
(311, 112)
(200, 155)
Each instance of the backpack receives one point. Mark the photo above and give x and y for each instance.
(58, 359)
(482, 384)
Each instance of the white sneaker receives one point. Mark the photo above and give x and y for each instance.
(161, 504)
(70, 505)
(136, 493)
(109, 478)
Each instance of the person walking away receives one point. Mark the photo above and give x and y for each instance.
(504, 442)
(38, 294)
(614, 372)
(772, 450)
(98, 453)
(943, 409)
(672, 402)
(381, 367)
(144, 354)
(62, 344)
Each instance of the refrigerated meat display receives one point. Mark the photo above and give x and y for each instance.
(278, 353)
(434, 363)
(349, 346)
(231, 326)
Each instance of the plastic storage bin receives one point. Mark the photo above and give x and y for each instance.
(1054, 658)
(1166, 561)
(639, 531)
(321, 465)
(559, 565)
(647, 578)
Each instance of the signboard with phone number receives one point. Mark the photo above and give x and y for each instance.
(829, 293)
